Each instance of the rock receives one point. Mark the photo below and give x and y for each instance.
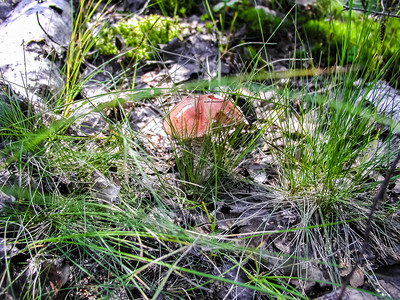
(385, 98)
(5, 200)
(257, 173)
(313, 273)
(396, 188)
(103, 188)
(389, 280)
(387, 285)
(348, 295)
(32, 36)
(5, 175)
(7, 250)
(5, 8)
(92, 123)
(229, 291)
(199, 52)
(147, 121)
(89, 121)
(176, 73)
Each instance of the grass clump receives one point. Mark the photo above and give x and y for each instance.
(333, 137)
(331, 145)
(80, 44)
(205, 162)
(202, 164)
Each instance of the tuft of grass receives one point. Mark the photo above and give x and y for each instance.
(81, 43)
(203, 164)
(332, 137)
(330, 149)
(333, 146)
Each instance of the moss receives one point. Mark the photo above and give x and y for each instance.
(256, 19)
(138, 36)
(364, 41)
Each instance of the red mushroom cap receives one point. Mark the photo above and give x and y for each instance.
(192, 117)
(222, 110)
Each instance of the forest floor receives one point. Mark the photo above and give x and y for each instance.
(99, 201)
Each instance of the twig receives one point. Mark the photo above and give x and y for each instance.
(375, 200)
(345, 7)
(51, 39)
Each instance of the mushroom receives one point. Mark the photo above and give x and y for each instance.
(193, 117)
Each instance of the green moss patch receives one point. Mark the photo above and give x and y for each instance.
(366, 38)
(139, 36)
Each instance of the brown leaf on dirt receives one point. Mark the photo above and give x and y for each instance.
(358, 278)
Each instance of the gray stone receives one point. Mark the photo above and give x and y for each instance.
(231, 291)
(349, 294)
(92, 123)
(7, 250)
(385, 98)
(103, 188)
(5, 200)
(89, 120)
(197, 54)
(32, 35)
(5, 8)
